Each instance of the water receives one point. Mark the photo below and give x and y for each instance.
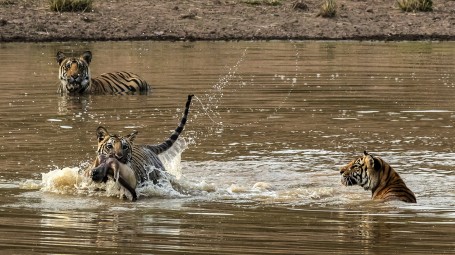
(257, 171)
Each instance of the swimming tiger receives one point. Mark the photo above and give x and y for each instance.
(75, 78)
(139, 157)
(373, 173)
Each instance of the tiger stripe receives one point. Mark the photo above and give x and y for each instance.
(175, 135)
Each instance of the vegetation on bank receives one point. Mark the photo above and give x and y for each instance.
(70, 5)
(415, 5)
(328, 9)
(265, 2)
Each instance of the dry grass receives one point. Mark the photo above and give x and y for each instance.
(70, 5)
(264, 2)
(328, 9)
(415, 5)
(7, 2)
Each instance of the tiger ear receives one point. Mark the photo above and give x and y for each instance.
(101, 133)
(368, 159)
(60, 57)
(132, 136)
(87, 56)
(374, 162)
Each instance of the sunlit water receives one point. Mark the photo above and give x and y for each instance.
(257, 170)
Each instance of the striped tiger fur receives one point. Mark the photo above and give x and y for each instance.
(373, 173)
(75, 78)
(138, 157)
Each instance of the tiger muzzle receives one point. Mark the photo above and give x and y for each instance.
(76, 83)
(347, 180)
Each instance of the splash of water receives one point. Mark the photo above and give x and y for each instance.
(71, 180)
(214, 98)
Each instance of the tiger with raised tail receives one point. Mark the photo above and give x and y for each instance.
(75, 78)
(373, 173)
(140, 158)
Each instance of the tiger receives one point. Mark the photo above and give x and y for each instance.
(140, 158)
(75, 78)
(373, 173)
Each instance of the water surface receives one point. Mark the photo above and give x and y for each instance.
(271, 124)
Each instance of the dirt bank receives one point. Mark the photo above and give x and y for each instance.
(28, 20)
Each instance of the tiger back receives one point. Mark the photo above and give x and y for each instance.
(373, 173)
(75, 78)
(143, 159)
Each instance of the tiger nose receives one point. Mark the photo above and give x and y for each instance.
(72, 79)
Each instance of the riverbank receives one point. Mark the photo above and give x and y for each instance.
(32, 21)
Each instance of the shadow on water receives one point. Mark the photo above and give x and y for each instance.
(257, 170)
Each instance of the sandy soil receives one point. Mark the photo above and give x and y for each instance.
(31, 20)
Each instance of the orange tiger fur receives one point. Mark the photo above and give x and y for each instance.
(75, 78)
(373, 173)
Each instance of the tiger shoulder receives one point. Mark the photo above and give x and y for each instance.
(75, 78)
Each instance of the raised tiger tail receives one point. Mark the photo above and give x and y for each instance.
(159, 148)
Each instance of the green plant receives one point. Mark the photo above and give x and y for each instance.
(415, 5)
(328, 9)
(70, 5)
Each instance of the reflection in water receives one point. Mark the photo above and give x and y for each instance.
(271, 125)
(73, 104)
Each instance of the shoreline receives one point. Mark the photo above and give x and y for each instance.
(378, 38)
(223, 20)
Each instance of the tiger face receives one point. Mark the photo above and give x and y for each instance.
(120, 147)
(74, 72)
(361, 171)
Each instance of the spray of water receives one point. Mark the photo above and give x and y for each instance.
(212, 101)
(71, 180)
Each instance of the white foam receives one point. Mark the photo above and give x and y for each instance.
(171, 158)
(61, 181)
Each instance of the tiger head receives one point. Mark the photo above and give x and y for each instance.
(74, 72)
(120, 147)
(362, 171)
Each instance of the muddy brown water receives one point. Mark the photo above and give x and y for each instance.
(258, 169)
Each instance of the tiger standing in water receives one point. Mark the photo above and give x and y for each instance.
(373, 173)
(140, 158)
(75, 78)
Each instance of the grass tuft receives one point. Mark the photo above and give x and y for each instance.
(328, 9)
(7, 2)
(263, 2)
(415, 5)
(70, 5)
